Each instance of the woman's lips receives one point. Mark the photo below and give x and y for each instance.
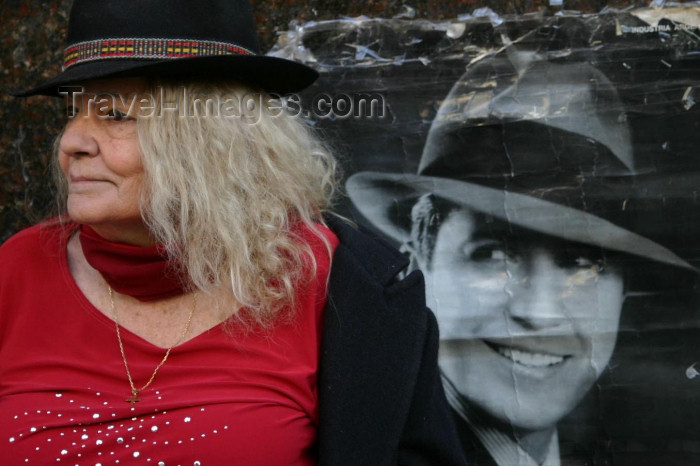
(526, 357)
(82, 179)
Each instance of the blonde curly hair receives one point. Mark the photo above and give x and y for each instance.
(226, 195)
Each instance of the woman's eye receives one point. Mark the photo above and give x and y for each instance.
(118, 115)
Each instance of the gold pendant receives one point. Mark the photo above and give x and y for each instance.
(133, 398)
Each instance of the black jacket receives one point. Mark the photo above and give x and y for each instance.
(380, 397)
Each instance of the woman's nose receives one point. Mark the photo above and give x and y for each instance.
(537, 291)
(78, 139)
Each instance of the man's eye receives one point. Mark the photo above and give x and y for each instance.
(489, 252)
(586, 263)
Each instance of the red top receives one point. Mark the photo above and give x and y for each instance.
(218, 400)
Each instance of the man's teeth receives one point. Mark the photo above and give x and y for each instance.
(527, 358)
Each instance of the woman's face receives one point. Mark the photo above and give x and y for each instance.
(527, 324)
(100, 157)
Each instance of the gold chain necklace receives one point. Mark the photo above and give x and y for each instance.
(135, 391)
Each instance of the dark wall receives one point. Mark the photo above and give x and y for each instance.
(31, 39)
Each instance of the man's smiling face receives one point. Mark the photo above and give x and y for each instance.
(528, 322)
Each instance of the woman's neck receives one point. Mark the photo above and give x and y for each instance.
(134, 235)
(142, 272)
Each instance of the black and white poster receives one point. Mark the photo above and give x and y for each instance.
(544, 174)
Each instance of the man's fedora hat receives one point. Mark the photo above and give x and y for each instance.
(203, 38)
(542, 145)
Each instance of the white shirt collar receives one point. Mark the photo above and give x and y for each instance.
(503, 449)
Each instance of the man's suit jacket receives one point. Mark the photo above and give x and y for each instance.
(380, 396)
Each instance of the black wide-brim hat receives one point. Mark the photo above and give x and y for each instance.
(543, 146)
(213, 39)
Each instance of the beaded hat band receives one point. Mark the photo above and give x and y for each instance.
(147, 48)
(178, 39)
